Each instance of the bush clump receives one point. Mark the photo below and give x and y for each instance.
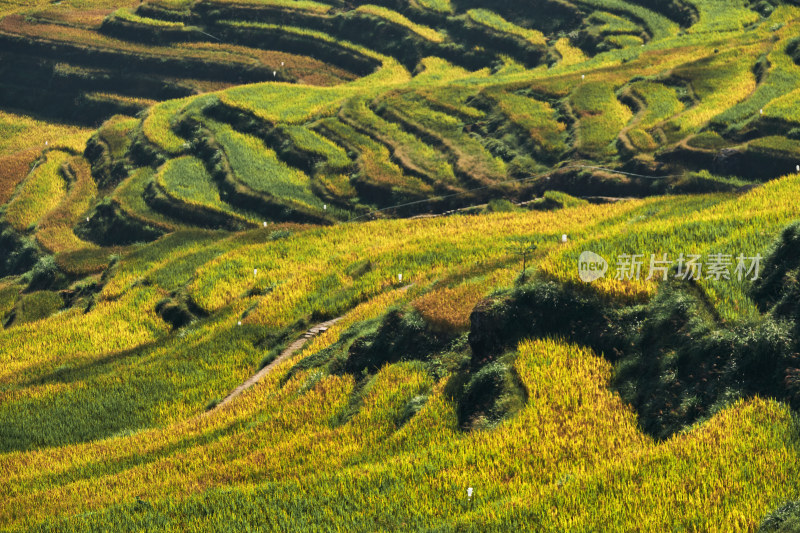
(19, 253)
(44, 275)
(539, 309)
(401, 335)
(36, 306)
(492, 393)
(784, 519)
(778, 289)
(685, 364)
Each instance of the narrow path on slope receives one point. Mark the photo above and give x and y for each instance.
(288, 352)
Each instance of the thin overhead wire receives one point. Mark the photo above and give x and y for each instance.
(204, 33)
(517, 180)
(631, 173)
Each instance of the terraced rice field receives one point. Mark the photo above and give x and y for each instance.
(188, 187)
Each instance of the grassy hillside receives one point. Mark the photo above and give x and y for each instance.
(188, 188)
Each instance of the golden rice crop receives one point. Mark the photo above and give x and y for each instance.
(442, 6)
(21, 133)
(54, 231)
(401, 20)
(305, 5)
(418, 250)
(448, 309)
(41, 191)
(495, 21)
(703, 225)
(575, 447)
(13, 169)
(718, 82)
(158, 130)
(601, 117)
(573, 459)
(569, 54)
(75, 337)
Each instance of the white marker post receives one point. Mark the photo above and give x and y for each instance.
(399, 277)
(265, 224)
(564, 238)
(255, 272)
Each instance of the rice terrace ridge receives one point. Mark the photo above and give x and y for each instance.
(409, 265)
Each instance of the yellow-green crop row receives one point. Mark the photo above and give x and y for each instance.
(185, 180)
(601, 116)
(441, 6)
(54, 231)
(624, 41)
(496, 22)
(407, 149)
(41, 192)
(75, 337)
(722, 15)
(769, 98)
(661, 102)
(437, 71)
(285, 103)
(129, 196)
(170, 250)
(658, 25)
(128, 15)
(288, 103)
(304, 5)
(471, 157)
(453, 101)
(744, 225)
(570, 55)
(609, 23)
(258, 167)
(140, 103)
(296, 267)
(574, 447)
(425, 32)
(158, 130)
(308, 141)
(374, 161)
(785, 108)
(536, 117)
(718, 82)
(21, 132)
